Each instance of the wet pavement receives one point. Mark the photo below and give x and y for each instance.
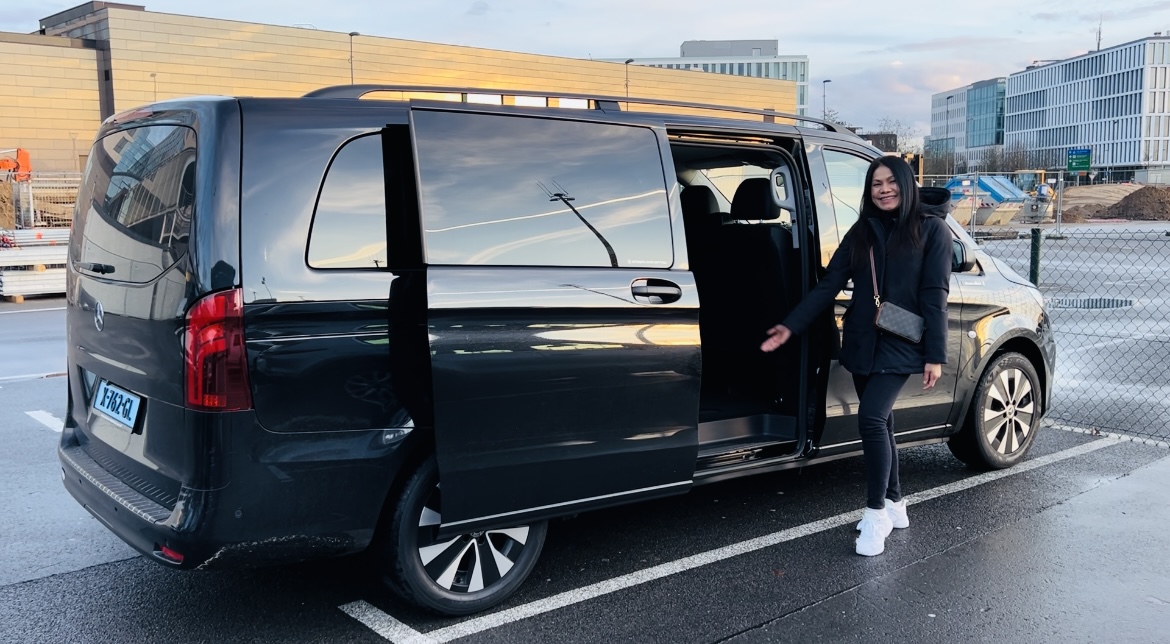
(1092, 569)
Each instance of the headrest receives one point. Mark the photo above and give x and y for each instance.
(698, 200)
(753, 200)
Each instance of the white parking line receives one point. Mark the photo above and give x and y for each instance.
(399, 633)
(46, 419)
(32, 376)
(56, 308)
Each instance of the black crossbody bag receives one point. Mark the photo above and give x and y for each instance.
(892, 318)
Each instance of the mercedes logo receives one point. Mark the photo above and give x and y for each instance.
(99, 316)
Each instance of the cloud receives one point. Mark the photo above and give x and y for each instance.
(957, 43)
(479, 8)
(1129, 13)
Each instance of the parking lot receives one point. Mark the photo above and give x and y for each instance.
(769, 558)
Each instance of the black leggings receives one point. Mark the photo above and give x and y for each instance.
(875, 423)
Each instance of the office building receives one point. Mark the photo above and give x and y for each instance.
(967, 124)
(753, 58)
(99, 58)
(1112, 101)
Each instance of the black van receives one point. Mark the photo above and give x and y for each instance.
(318, 326)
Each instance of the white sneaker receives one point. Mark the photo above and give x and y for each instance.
(875, 527)
(897, 513)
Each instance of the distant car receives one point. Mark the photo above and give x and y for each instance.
(318, 326)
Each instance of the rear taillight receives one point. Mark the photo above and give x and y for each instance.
(217, 361)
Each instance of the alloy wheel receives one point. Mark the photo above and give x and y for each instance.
(1009, 411)
(470, 562)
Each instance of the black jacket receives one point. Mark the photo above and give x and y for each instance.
(917, 279)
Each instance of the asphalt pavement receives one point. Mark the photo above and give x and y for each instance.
(1013, 555)
(1065, 547)
(32, 338)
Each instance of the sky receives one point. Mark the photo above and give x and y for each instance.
(884, 59)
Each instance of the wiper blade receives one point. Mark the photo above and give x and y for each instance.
(100, 269)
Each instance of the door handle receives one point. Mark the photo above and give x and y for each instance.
(655, 291)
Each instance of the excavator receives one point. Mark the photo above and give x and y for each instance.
(20, 167)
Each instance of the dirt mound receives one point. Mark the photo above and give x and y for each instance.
(1146, 204)
(1078, 214)
(1101, 194)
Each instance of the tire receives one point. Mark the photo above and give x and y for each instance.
(462, 575)
(1004, 416)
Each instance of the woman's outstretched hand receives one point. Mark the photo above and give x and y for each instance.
(930, 375)
(777, 336)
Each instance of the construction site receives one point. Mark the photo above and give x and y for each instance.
(36, 211)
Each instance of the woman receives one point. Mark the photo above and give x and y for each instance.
(911, 246)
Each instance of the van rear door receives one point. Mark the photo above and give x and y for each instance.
(131, 282)
(565, 349)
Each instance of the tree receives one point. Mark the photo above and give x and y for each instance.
(908, 137)
(1015, 157)
(991, 160)
(833, 116)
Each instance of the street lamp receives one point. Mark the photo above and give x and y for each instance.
(950, 141)
(825, 99)
(351, 35)
(154, 77)
(628, 61)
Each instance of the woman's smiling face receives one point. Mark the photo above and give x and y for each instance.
(884, 190)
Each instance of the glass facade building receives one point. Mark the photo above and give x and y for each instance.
(985, 113)
(967, 123)
(1115, 102)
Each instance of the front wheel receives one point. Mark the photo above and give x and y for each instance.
(1004, 415)
(456, 575)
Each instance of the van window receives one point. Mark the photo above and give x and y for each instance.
(136, 205)
(349, 226)
(520, 191)
(847, 183)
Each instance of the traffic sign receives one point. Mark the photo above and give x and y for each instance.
(1079, 159)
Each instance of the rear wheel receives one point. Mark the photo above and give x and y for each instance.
(454, 575)
(1004, 415)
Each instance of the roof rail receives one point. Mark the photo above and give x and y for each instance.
(600, 102)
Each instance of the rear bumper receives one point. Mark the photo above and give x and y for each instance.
(137, 520)
(259, 519)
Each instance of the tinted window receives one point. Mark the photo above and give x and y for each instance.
(507, 190)
(847, 183)
(349, 227)
(137, 203)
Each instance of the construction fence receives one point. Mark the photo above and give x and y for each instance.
(1107, 291)
(35, 217)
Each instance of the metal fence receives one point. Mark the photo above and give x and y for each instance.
(45, 201)
(1107, 289)
(35, 217)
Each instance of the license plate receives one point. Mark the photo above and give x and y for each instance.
(119, 405)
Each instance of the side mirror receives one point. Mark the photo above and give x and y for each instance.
(782, 194)
(961, 260)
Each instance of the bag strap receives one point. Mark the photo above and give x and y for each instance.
(877, 299)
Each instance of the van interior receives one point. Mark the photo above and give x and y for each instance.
(748, 270)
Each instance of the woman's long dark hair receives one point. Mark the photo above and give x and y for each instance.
(909, 222)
